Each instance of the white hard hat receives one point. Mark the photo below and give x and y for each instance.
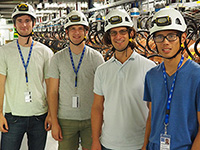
(75, 18)
(117, 18)
(167, 19)
(24, 8)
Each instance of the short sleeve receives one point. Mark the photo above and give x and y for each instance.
(53, 71)
(3, 66)
(98, 83)
(147, 96)
(47, 63)
(98, 60)
(198, 97)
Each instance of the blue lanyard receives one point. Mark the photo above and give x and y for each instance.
(170, 93)
(79, 64)
(22, 58)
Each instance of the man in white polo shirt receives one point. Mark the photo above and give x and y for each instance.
(119, 112)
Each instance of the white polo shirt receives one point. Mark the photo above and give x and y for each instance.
(125, 112)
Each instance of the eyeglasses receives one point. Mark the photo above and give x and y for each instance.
(121, 32)
(170, 37)
(22, 7)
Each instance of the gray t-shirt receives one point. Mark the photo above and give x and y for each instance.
(61, 68)
(12, 67)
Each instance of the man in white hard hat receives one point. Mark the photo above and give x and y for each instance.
(23, 69)
(71, 86)
(172, 89)
(118, 112)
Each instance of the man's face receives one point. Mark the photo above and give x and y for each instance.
(119, 37)
(24, 24)
(167, 42)
(76, 33)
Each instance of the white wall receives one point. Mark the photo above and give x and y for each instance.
(6, 31)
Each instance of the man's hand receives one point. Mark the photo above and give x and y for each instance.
(56, 132)
(47, 123)
(3, 124)
(96, 145)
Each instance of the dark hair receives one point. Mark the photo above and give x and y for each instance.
(107, 40)
(19, 15)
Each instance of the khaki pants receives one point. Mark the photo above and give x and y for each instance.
(73, 132)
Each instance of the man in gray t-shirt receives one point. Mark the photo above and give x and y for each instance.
(70, 94)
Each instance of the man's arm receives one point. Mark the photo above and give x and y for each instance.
(52, 96)
(148, 128)
(196, 143)
(47, 124)
(3, 122)
(97, 120)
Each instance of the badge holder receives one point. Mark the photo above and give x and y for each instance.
(165, 140)
(76, 103)
(28, 96)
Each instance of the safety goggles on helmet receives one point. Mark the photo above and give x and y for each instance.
(115, 20)
(162, 21)
(22, 7)
(74, 18)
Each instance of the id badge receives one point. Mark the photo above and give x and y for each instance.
(76, 101)
(28, 96)
(165, 142)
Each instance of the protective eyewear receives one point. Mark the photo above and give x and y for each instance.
(170, 37)
(22, 7)
(121, 32)
(162, 21)
(74, 18)
(115, 20)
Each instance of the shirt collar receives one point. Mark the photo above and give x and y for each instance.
(132, 57)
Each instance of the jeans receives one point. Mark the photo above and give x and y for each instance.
(34, 128)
